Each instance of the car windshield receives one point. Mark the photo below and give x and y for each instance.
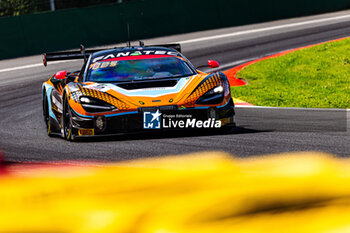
(138, 69)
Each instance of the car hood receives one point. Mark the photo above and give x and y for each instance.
(151, 96)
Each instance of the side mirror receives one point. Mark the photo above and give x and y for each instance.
(61, 75)
(213, 64)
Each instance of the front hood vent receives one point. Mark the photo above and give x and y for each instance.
(147, 84)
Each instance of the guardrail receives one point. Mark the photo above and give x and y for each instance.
(92, 26)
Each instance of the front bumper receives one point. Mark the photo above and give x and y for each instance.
(133, 122)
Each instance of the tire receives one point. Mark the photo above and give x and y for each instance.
(68, 131)
(47, 117)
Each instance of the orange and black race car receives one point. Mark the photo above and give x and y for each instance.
(133, 89)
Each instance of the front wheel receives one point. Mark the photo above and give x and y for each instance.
(68, 131)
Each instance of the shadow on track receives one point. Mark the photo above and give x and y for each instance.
(170, 134)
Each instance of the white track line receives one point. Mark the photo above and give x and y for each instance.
(31, 66)
(212, 37)
(263, 29)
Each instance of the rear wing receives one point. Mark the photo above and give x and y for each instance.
(176, 47)
(84, 53)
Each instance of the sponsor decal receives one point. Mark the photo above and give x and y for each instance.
(86, 132)
(157, 120)
(100, 65)
(135, 53)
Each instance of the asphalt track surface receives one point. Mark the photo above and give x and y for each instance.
(260, 130)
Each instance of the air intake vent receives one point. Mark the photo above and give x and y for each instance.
(147, 84)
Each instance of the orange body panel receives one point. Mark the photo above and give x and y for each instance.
(126, 103)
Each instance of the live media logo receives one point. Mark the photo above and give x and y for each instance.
(152, 120)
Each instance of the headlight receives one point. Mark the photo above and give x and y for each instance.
(211, 90)
(214, 96)
(85, 100)
(94, 105)
(218, 89)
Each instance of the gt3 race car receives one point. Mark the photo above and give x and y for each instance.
(133, 89)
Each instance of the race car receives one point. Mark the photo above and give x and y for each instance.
(131, 89)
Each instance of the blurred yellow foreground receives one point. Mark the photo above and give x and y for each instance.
(206, 192)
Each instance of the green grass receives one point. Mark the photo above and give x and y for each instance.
(316, 77)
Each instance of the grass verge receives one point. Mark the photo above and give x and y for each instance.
(316, 77)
